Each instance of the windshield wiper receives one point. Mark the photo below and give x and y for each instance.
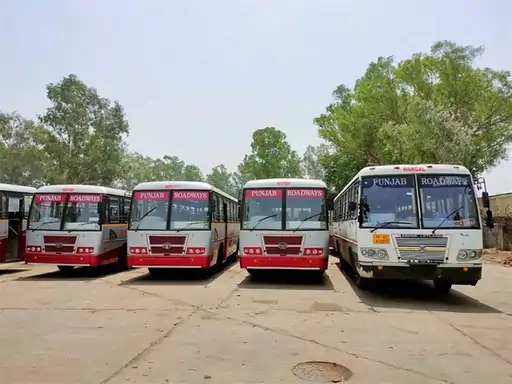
(143, 216)
(446, 218)
(189, 224)
(386, 223)
(79, 225)
(260, 220)
(306, 219)
(46, 222)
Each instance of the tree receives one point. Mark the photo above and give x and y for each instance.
(21, 152)
(311, 161)
(192, 172)
(85, 136)
(221, 178)
(271, 156)
(431, 108)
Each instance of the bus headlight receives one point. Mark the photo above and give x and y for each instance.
(375, 253)
(469, 254)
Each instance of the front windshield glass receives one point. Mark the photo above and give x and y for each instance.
(389, 198)
(149, 210)
(190, 209)
(260, 203)
(301, 204)
(46, 211)
(441, 195)
(83, 212)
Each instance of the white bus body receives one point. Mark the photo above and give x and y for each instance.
(77, 225)
(416, 222)
(284, 225)
(14, 206)
(181, 224)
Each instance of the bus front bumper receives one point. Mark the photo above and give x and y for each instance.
(169, 261)
(462, 274)
(283, 262)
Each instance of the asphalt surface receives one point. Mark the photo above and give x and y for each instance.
(99, 326)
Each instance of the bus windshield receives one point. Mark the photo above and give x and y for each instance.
(48, 211)
(441, 195)
(263, 207)
(390, 199)
(305, 207)
(150, 210)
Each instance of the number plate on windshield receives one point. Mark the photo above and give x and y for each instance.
(381, 239)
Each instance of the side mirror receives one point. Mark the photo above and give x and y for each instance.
(352, 206)
(489, 222)
(485, 200)
(360, 217)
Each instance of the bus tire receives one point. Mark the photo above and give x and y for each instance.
(122, 259)
(318, 275)
(218, 263)
(66, 269)
(255, 273)
(442, 287)
(156, 272)
(234, 256)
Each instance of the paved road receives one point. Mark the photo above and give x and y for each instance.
(100, 327)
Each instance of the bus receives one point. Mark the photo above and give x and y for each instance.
(181, 224)
(14, 206)
(284, 225)
(78, 225)
(411, 222)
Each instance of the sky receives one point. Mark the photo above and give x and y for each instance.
(196, 78)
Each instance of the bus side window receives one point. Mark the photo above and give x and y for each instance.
(214, 207)
(231, 213)
(27, 200)
(3, 206)
(113, 210)
(125, 207)
(221, 208)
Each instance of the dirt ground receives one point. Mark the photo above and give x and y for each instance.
(498, 257)
(98, 326)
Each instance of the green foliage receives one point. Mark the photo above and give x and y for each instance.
(85, 133)
(431, 108)
(221, 178)
(271, 156)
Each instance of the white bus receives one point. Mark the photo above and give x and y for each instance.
(77, 225)
(284, 225)
(14, 205)
(181, 224)
(411, 222)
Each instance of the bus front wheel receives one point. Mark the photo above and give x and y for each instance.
(65, 268)
(442, 287)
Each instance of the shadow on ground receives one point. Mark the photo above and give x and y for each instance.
(11, 271)
(287, 280)
(78, 274)
(415, 296)
(178, 276)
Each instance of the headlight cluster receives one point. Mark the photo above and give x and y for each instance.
(469, 254)
(375, 253)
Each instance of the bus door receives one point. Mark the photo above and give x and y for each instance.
(15, 213)
(226, 240)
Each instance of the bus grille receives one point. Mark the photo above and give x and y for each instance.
(274, 245)
(59, 244)
(426, 248)
(167, 245)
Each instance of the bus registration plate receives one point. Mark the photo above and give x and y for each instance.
(381, 239)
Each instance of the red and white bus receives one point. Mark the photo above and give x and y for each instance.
(181, 224)
(284, 225)
(14, 205)
(77, 225)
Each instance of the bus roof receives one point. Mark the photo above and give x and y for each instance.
(78, 188)
(285, 183)
(192, 185)
(407, 169)
(16, 188)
